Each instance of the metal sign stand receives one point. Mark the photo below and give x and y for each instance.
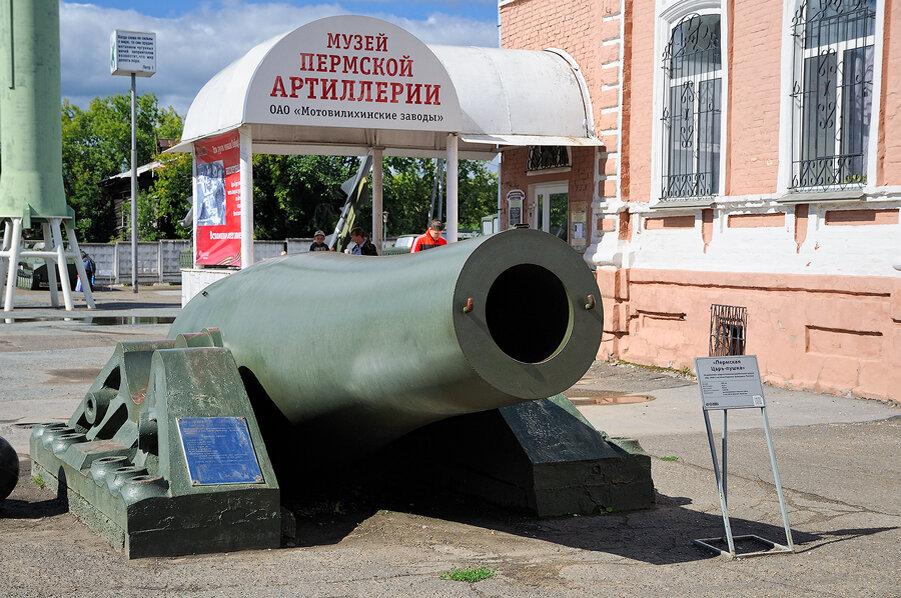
(733, 382)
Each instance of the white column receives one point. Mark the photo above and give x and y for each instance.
(246, 196)
(452, 171)
(116, 262)
(4, 257)
(193, 212)
(74, 249)
(377, 198)
(49, 264)
(15, 243)
(61, 262)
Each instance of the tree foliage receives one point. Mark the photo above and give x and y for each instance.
(477, 193)
(162, 208)
(296, 195)
(408, 185)
(97, 145)
(293, 196)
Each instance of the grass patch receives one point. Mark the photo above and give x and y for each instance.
(669, 458)
(39, 481)
(685, 371)
(472, 574)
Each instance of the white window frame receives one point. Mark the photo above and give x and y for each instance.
(542, 221)
(669, 14)
(790, 135)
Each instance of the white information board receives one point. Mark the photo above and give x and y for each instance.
(729, 382)
(132, 52)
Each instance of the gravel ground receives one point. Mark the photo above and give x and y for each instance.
(841, 479)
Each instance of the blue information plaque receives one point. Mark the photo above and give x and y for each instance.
(218, 450)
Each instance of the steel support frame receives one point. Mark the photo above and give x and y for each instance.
(721, 484)
(54, 254)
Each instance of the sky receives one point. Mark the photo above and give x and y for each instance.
(196, 39)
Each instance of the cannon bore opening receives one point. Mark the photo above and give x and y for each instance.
(528, 313)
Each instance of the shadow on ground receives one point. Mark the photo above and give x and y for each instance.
(328, 514)
(660, 535)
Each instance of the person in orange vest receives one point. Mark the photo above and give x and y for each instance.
(429, 239)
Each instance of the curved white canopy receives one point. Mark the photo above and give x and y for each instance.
(342, 85)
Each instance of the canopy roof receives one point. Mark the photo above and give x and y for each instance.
(342, 85)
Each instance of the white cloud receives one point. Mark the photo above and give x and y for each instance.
(193, 47)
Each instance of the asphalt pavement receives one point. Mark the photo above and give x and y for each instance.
(837, 458)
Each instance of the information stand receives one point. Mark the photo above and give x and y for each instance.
(733, 382)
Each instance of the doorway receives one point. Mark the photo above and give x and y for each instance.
(550, 209)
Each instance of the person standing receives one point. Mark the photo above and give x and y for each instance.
(89, 269)
(429, 239)
(362, 244)
(318, 243)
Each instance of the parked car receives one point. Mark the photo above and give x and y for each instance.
(401, 245)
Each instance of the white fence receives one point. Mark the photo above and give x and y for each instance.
(157, 261)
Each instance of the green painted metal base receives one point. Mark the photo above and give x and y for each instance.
(122, 464)
(543, 456)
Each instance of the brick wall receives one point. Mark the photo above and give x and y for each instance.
(580, 179)
(590, 32)
(754, 96)
(889, 153)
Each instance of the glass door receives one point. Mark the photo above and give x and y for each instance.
(550, 209)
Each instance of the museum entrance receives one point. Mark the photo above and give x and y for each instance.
(550, 209)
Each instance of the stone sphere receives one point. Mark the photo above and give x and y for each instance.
(9, 468)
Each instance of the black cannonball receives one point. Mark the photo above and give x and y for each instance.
(9, 468)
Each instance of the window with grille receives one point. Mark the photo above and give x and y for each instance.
(727, 329)
(544, 157)
(692, 66)
(832, 93)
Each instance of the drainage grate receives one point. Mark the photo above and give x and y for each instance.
(728, 324)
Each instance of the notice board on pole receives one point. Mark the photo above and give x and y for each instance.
(132, 53)
(729, 382)
(217, 200)
(733, 382)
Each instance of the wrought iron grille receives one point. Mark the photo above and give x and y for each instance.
(542, 157)
(692, 66)
(728, 324)
(832, 93)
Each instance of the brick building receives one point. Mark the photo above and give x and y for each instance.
(747, 197)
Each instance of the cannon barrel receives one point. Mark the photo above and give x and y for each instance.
(288, 377)
(367, 349)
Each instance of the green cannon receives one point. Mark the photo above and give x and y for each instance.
(312, 360)
(366, 350)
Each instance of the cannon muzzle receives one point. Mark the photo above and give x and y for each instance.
(364, 350)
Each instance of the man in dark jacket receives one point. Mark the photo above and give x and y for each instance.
(89, 269)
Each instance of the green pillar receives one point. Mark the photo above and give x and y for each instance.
(31, 184)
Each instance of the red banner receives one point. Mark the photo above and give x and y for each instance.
(217, 189)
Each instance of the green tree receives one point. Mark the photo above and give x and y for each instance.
(161, 210)
(97, 145)
(407, 195)
(477, 191)
(295, 195)
(408, 184)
